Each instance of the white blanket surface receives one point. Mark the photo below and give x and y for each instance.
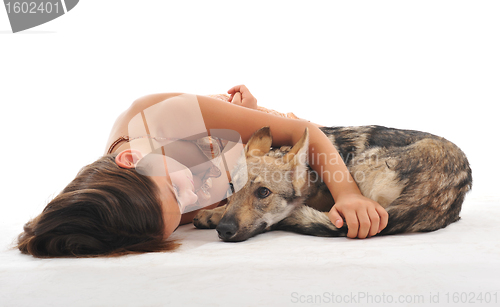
(450, 266)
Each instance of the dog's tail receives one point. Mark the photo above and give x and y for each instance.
(309, 221)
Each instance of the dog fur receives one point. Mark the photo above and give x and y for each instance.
(419, 178)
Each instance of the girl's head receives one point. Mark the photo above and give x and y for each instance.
(107, 210)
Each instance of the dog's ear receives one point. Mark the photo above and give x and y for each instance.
(298, 153)
(297, 160)
(260, 143)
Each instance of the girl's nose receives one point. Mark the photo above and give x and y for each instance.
(191, 198)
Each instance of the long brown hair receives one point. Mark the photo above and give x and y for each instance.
(105, 211)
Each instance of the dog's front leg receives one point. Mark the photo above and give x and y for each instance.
(309, 221)
(209, 218)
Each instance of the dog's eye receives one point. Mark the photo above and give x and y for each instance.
(263, 192)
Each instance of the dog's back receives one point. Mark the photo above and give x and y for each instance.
(421, 179)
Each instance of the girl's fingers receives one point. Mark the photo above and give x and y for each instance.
(352, 224)
(364, 224)
(236, 98)
(335, 217)
(234, 89)
(238, 88)
(384, 218)
(375, 222)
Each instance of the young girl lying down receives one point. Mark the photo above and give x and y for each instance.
(168, 156)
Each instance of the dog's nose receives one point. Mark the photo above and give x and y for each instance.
(226, 230)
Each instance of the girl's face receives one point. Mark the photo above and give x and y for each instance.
(183, 185)
(176, 193)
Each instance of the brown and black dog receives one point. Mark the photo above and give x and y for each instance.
(419, 178)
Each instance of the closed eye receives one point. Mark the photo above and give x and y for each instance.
(176, 189)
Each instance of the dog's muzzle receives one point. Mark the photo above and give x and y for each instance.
(229, 231)
(226, 230)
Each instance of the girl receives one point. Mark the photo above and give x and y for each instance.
(161, 166)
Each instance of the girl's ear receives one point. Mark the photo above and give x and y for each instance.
(128, 158)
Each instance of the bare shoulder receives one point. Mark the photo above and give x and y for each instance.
(120, 126)
(146, 101)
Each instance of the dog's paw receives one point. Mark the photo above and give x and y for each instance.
(206, 219)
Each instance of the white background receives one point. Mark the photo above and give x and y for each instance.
(426, 65)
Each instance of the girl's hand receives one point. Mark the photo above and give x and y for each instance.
(240, 95)
(364, 217)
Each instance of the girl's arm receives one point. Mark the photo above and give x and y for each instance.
(241, 96)
(364, 217)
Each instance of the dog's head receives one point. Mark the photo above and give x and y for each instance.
(277, 183)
